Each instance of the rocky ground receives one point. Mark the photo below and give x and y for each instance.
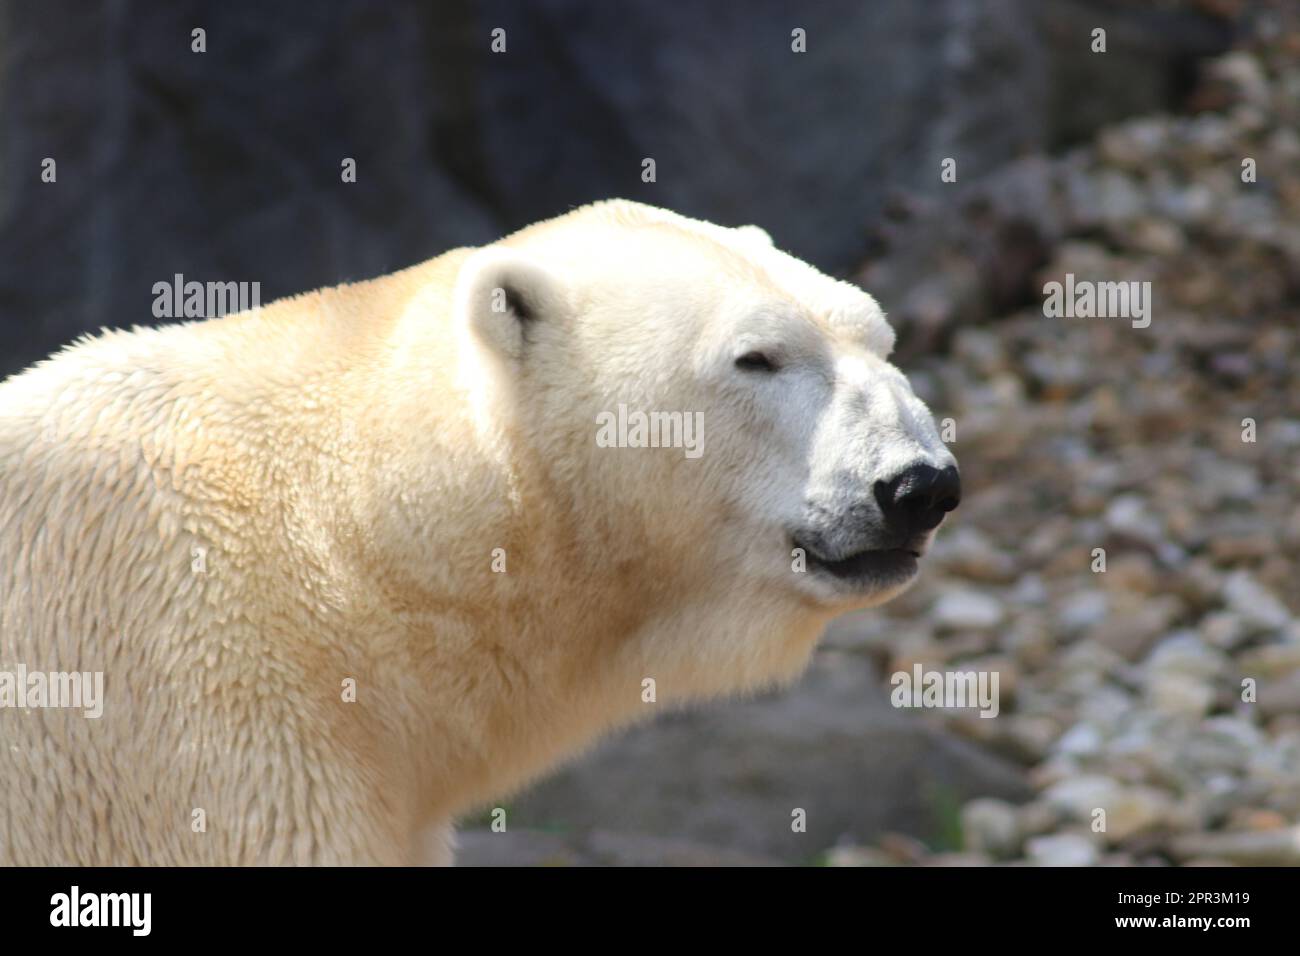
(1164, 689)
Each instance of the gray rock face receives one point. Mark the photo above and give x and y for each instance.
(731, 775)
(225, 165)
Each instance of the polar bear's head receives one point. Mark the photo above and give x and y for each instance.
(794, 461)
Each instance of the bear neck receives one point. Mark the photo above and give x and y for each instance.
(503, 618)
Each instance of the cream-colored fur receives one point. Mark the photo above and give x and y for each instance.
(230, 518)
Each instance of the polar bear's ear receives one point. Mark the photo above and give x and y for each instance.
(755, 234)
(501, 295)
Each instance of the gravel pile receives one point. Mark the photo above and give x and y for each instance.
(1157, 701)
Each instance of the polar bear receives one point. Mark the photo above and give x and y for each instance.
(354, 563)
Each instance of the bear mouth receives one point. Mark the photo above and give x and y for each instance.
(878, 566)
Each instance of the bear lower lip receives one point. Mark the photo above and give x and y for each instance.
(882, 566)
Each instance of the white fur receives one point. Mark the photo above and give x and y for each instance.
(348, 461)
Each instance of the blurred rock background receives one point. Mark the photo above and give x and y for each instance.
(1120, 690)
(225, 165)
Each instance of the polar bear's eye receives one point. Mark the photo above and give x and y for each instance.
(755, 362)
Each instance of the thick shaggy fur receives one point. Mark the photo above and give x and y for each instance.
(232, 518)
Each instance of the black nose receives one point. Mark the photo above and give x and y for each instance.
(916, 500)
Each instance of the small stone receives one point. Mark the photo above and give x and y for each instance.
(1048, 538)
(1190, 205)
(1185, 653)
(1130, 516)
(1135, 144)
(1135, 627)
(1105, 705)
(1029, 641)
(1058, 767)
(1081, 796)
(1210, 135)
(1131, 572)
(1250, 818)
(857, 856)
(1259, 608)
(1246, 119)
(1064, 849)
(963, 645)
(1273, 660)
(1081, 740)
(1279, 847)
(1083, 611)
(990, 826)
(1085, 665)
(1159, 237)
(1242, 73)
(1221, 750)
(1218, 480)
(1028, 590)
(1200, 582)
(1223, 629)
(1240, 732)
(1286, 726)
(1285, 143)
(1085, 259)
(1030, 737)
(1137, 810)
(903, 848)
(1179, 695)
(1280, 695)
(917, 647)
(1119, 201)
(981, 349)
(1038, 817)
(969, 554)
(1060, 374)
(962, 609)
